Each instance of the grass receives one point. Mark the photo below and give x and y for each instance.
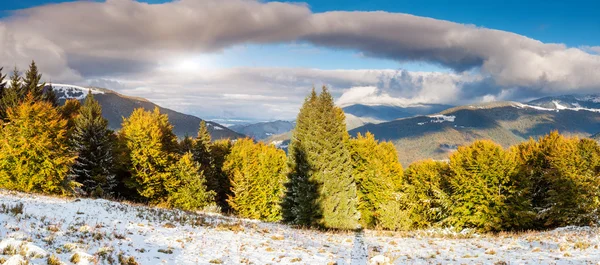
(53, 260)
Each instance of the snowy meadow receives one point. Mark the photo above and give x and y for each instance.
(41, 230)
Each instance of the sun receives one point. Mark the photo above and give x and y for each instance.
(192, 64)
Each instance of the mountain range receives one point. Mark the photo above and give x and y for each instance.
(115, 106)
(507, 123)
(263, 130)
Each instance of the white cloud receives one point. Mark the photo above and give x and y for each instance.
(131, 46)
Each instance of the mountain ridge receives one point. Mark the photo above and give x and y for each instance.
(115, 106)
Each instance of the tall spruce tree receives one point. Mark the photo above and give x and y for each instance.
(321, 188)
(32, 83)
(378, 176)
(202, 155)
(92, 141)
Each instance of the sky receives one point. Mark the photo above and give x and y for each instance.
(246, 59)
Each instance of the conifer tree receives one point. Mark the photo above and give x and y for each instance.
(486, 192)
(202, 155)
(186, 145)
(34, 154)
(321, 189)
(219, 151)
(570, 170)
(151, 150)
(2, 83)
(32, 83)
(91, 139)
(257, 174)
(300, 203)
(69, 111)
(426, 193)
(378, 177)
(188, 190)
(11, 96)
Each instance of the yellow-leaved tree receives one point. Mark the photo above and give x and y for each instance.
(34, 154)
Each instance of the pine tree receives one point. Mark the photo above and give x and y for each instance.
(300, 202)
(257, 174)
(91, 139)
(378, 177)
(219, 151)
(188, 190)
(486, 192)
(34, 154)
(11, 97)
(321, 189)
(186, 145)
(202, 155)
(151, 148)
(2, 83)
(572, 175)
(32, 83)
(426, 193)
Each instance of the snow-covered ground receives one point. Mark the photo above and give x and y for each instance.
(101, 232)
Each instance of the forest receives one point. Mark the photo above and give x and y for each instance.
(327, 180)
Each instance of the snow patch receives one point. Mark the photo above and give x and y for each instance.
(73, 92)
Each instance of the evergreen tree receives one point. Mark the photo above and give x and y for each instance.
(219, 151)
(202, 155)
(91, 139)
(188, 190)
(32, 83)
(426, 189)
(69, 111)
(257, 174)
(300, 202)
(186, 145)
(2, 83)
(151, 148)
(487, 194)
(378, 177)
(11, 96)
(321, 189)
(34, 154)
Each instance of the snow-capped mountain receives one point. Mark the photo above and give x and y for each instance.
(115, 106)
(506, 123)
(64, 91)
(570, 102)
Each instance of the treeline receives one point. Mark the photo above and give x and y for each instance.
(327, 179)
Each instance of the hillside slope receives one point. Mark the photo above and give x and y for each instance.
(506, 123)
(263, 130)
(87, 231)
(115, 106)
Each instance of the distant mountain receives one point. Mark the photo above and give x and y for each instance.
(596, 137)
(507, 123)
(358, 115)
(585, 102)
(389, 113)
(263, 130)
(116, 106)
